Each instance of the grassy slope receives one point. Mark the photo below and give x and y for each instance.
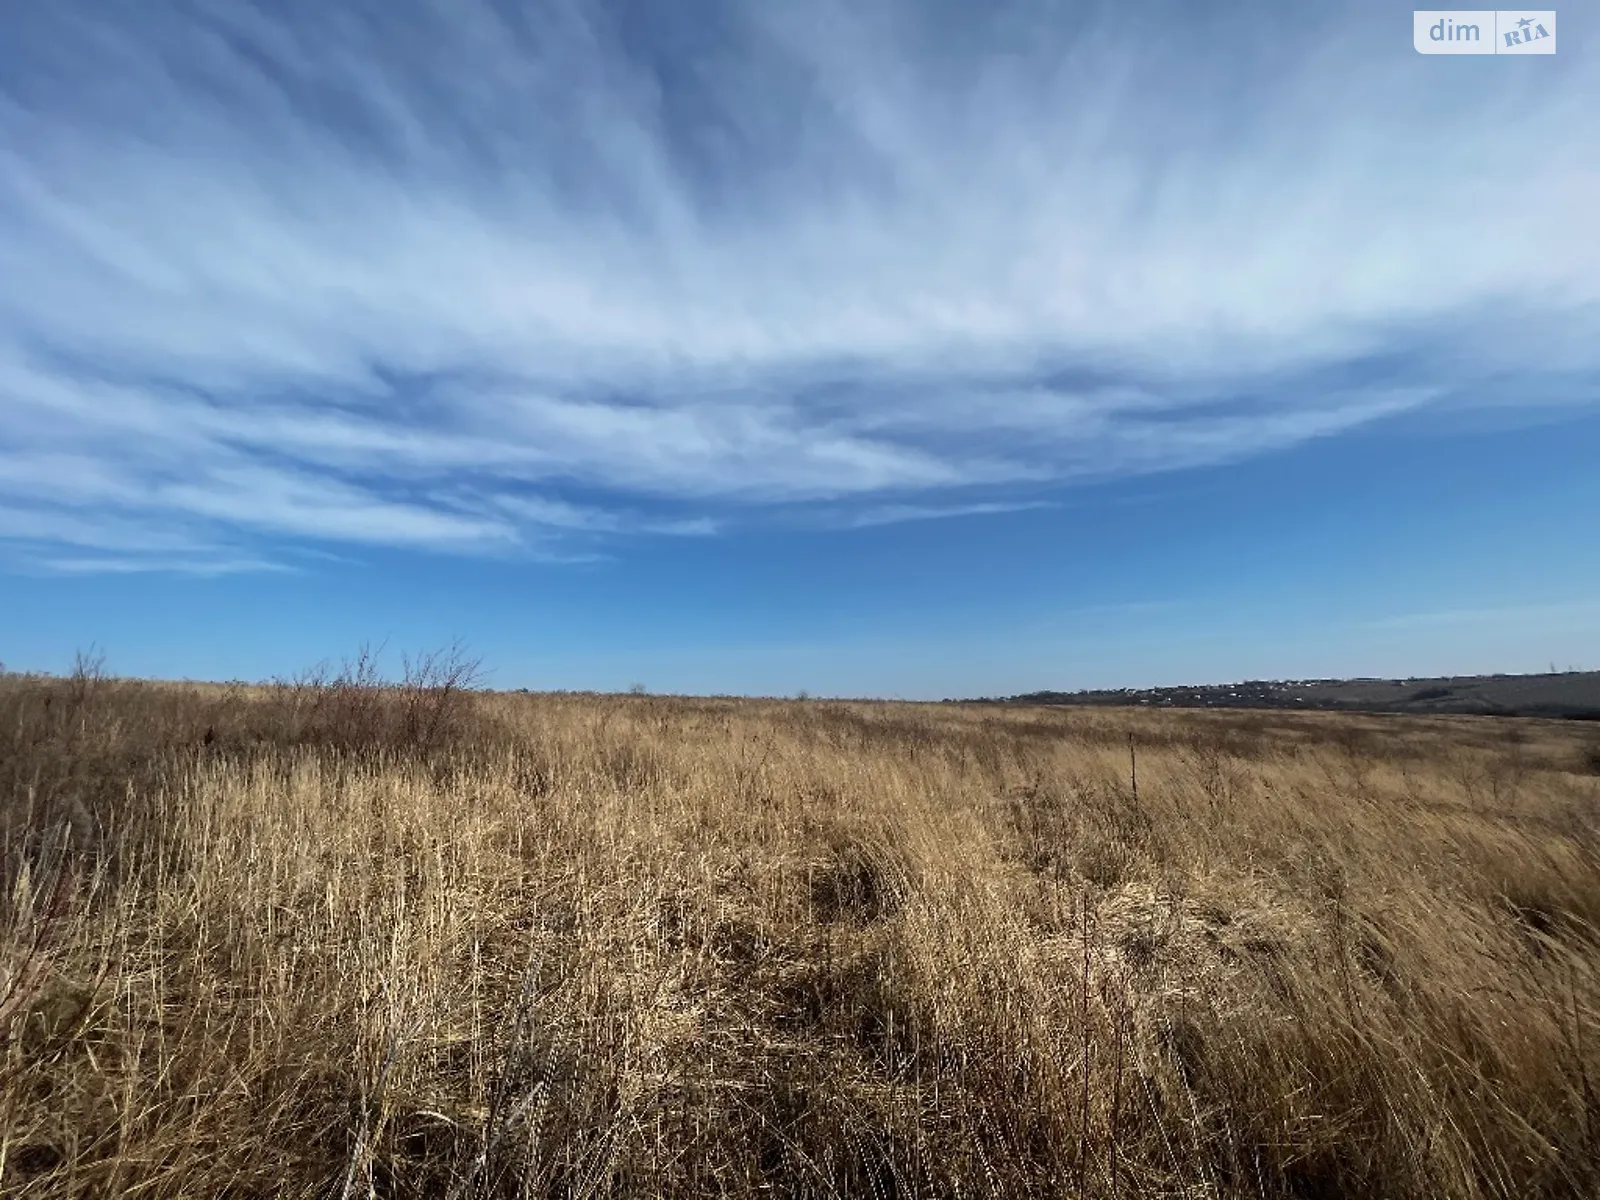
(1568, 695)
(636, 946)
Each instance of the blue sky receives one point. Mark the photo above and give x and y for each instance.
(876, 348)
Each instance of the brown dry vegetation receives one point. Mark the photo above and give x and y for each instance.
(338, 941)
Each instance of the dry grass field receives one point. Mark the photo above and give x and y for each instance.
(336, 940)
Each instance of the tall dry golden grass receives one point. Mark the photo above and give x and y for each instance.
(331, 942)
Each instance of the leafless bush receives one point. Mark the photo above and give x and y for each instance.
(86, 680)
(435, 698)
(357, 708)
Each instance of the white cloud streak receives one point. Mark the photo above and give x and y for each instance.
(895, 514)
(1585, 613)
(314, 273)
(208, 567)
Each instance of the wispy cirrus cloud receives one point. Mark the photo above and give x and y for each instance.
(521, 279)
(895, 514)
(208, 567)
(1583, 612)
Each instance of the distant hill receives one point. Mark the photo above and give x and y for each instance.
(1574, 695)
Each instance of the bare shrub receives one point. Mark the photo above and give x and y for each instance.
(434, 695)
(88, 676)
(357, 708)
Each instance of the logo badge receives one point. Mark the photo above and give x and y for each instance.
(1484, 31)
